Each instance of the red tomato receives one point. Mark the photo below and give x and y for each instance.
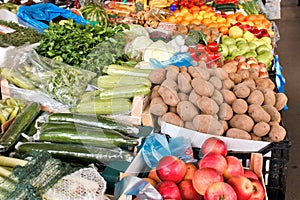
(213, 46)
(201, 48)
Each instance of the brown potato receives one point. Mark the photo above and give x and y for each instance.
(220, 73)
(225, 112)
(254, 73)
(171, 84)
(207, 105)
(258, 113)
(183, 96)
(183, 69)
(157, 76)
(261, 129)
(239, 106)
(173, 109)
(229, 96)
(228, 84)
(242, 121)
(216, 82)
(202, 87)
(281, 101)
(272, 123)
(244, 73)
(172, 118)
(255, 137)
(217, 97)
(154, 92)
(224, 124)
(158, 106)
(169, 96)
(201, 64)
(269, 96)
(186, 110)
(265, 82)
(189, 125)
(238, 133)
(241, 90)
(208, 124)
(277, 133)
(273, 112)
(256, 97)
(172, 72)
(193, 97)
(250, 83)
(230, 67)
(235, 77)
(199, 72)
(184, 82)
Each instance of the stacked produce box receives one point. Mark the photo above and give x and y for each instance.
(107, 88)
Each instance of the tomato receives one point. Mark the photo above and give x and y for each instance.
(201, 48)
(210, 55)
(203, 57)
(213, 46)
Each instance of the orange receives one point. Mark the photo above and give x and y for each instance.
(194, 9)
(188, 17)
(179, 19)
(184, 22)
(230, 21)
(204, 7)
(196, 22)
(251, 17)
(257, 21)
(213, 24)
(223, 30)
(231, 16)
(206, 21)
(260, 16)
(240, 18)
(184, 10)
(172, 19)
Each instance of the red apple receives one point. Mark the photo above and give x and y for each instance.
(168, 190)
(187, 191)
(214, 145)
(171, 168)
(204, 177)
(250, 174)
(247, 27)
(190, 170)
(257, 33)
(265, 33)
(242, 186)
(220, 190)
(234, 167)
(258, 190)
(213, 160)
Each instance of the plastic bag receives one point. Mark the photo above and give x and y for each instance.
(280, 80)
(38, 15)
(179, 59)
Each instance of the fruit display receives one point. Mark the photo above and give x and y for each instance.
(216, 175)
(95, 13)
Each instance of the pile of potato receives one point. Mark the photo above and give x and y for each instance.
(221, 101)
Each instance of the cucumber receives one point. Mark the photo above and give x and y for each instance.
(122, 70)
(19, 125)
(124, 92)
(76, 153)
(89, 136)
(226, 7)
(109, 81)
(95, 121)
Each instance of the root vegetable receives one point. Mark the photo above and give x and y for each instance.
(184, 82)
(273, 112)
(201, 64)
(256, 97)
(207, 105)
(239, 106)
(183, 96)
(228, 84)
(157, 76)
(193, 97)
(254, 73)
(241, 90)
(277, 133)
(154, 92)
(202, 87)
(186, 110)
(281, 101)
(250, 83)
(216, 82)
(265, 82)
(169, 96)
(258, 113)
(224, 124)
(217, 97)
(244, 73)
(208, 124)
(172, 72)
(230, 67)
(171, 84)
(220, 73)
(158, 107)
(269, 96)
(242, 121)
(236, 78)
(225, 112)
(238, 133)
(189, 125)
(173, 109)
(261, 129)
(199, 72)
(182, 69)
(255, 137)
(229, 96)
(273, 123)
(172, 118)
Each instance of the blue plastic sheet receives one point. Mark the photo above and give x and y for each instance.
(34, 15)
(280, 80)
(178, 59)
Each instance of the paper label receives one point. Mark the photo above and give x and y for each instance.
(4, 29)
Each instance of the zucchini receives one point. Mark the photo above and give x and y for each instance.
(76, 152)
(109, 81)
(124, 92)
(226, 7)
(89, 136)
(95, 121)
(20, 124)
(122, 70)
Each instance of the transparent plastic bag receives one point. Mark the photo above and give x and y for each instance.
(179, 59)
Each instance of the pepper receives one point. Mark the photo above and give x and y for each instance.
(213, 46)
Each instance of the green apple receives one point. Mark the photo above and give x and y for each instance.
(248, 36)
(267, 40)
(241, 42)
(231, 48)
(262, 48)
(252, 45)
(223, 49)
(267, 54)
(250, 53)
(228, 41)
(245, 47)
(235, 32)
(269, 46)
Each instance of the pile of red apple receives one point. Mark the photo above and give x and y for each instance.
(216, 176)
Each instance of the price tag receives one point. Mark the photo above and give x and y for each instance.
(4, 29)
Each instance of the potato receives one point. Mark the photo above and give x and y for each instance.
(242, 121)
(207, 105)
(256, 97)
(169, 96)
(172, 72)
(269, 96)
(216, 82)
(230, 67)
(208, 124)
(157, 76)
(171, 84)
(261, 129)
(220, 73)
(229, 96)
(239, 106)
(277, 133)
(225, 112)
(173, 109)
(189, 125)
(272, 123)
(258, 113)
(224, 124)
(281, 101)
(193, 97)
(202, 87)
(238, 133)
(182, 69)
(244, 73)
(265, 82)
(273, 112)
(183, 96)
(236, 78)
(201, 64)
(154, 92)
(158, 106)
(217, 97)
(228, 84)
(184, 82)
(199, 72)
(250, 83)
(191, 70)
(241, 90)
(186, 110)
(254, 73)
(172, 118)
(255, 137)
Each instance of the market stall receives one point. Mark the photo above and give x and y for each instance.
(142, 100)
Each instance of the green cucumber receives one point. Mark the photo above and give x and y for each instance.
(109, 81)
(124, 92)
(95, 121)
(122, 70)
(89, 136)
(226, 7)
(77, 153)
(19, 125)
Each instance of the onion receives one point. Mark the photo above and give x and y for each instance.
(240, 58)
(263, 75)
(251, 60)
(233, 62)
(262, 66)
(243, 65)
(263, 69)
(255, 66)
